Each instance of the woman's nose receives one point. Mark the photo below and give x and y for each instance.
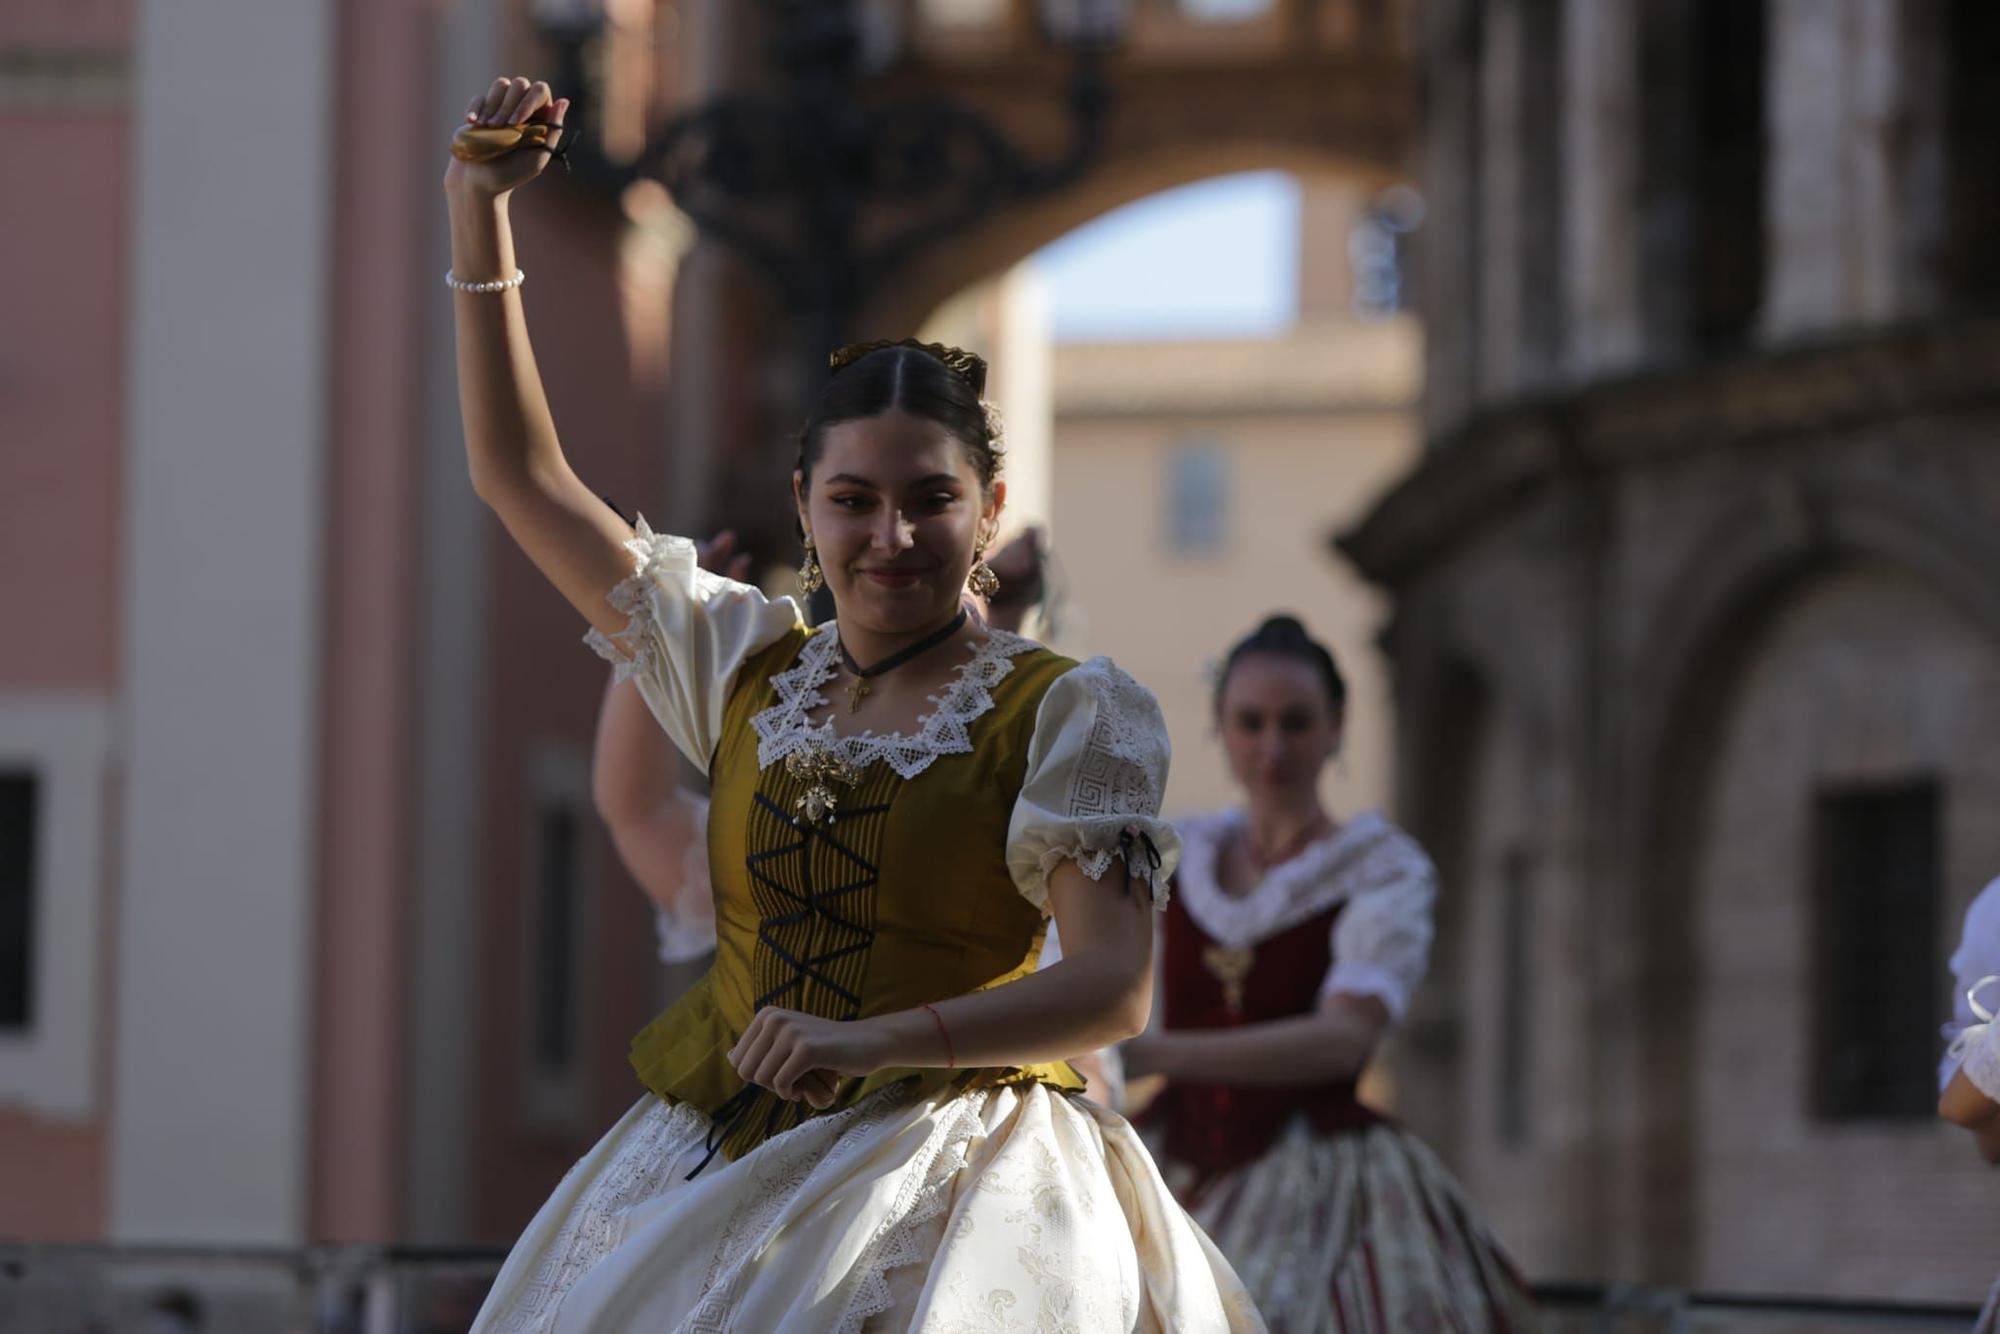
(895, 532)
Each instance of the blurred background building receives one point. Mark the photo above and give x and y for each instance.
(1661, 560)
(1697, 635)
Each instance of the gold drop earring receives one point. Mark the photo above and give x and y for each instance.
(811, 577)
(982, 581)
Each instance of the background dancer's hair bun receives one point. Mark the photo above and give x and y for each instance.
(1285, 636)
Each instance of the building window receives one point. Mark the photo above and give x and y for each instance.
(1876, 920)
(556, 948)
(1517, 972)
(1971, 152)
(1197, 498)
(54, 754)
(1541, 184)
(1728, 168)
(19, 803)
(1702, 174)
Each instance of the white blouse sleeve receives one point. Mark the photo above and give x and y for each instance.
(689, 632)
(1097, 768)
(1382, 938)
(687, 930)
(1976, 958)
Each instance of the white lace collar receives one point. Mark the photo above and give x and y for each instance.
(1292, 891)
(945, 730)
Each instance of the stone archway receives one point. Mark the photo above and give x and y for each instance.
(1011, 238)
(1308, 85)
(1758, 561)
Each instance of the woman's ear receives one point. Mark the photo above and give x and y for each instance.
(799, 499)
(996, 500)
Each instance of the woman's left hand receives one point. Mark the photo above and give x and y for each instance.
(801, 1055)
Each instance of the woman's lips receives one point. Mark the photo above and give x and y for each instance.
(895, 578)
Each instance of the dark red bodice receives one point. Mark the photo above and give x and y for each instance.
(1216, 1128)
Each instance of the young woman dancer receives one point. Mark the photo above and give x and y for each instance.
(1293, 941)
(859, 1118)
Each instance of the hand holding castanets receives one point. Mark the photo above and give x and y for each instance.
(510, 134)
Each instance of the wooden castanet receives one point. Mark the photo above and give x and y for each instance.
(483, 143)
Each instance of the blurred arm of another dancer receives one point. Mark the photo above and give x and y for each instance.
(1327, 1046)
(1965, 1104)
(1969, 1075)
(659, 827)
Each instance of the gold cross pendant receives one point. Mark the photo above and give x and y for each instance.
(856, 693)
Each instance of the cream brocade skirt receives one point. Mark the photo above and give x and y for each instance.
(1008, 1209)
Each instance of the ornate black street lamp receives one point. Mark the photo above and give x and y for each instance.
(827, 191)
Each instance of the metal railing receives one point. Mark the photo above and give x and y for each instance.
(1592, 1308)
(88, 1289)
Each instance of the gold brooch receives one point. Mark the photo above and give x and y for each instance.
(1229, 965)
(819, 766)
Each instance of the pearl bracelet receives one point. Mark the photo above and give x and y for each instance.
(458, 284)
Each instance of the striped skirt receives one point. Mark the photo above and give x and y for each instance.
(1357, 1232)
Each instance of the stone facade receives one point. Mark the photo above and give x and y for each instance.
(1703, 544)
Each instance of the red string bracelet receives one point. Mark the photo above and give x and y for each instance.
(950, 1060)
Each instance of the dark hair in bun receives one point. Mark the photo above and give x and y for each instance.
(1284, 637)
(929, 380)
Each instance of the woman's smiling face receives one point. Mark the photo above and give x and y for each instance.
(895, 510)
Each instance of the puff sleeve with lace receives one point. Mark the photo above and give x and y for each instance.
(1382, 938)
(689, 632)
(1097, 769)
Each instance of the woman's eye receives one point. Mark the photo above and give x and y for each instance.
(850, 502)
(942, 500)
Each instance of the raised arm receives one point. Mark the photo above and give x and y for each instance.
(516, 462)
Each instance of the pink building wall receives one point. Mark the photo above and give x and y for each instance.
(601, 335)
(385, 195)
(64, 146)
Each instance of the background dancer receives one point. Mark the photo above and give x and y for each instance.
(1293, 941)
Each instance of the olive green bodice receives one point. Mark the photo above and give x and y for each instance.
(902, 897)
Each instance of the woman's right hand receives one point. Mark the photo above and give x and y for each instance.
(513, 101)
